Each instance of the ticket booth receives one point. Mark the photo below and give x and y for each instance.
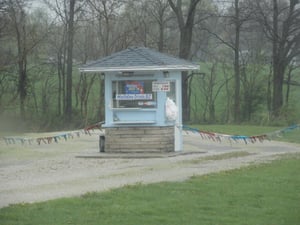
(142, 100)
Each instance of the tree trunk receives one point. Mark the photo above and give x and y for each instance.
(184, 53)
(22, 88)
(236, 109)
(289, 77)
(269, 94)
(278, 75)
(161, 36)
(186, 32)
(277, 100)
(68, 109)
(20, 28)
(60, 75)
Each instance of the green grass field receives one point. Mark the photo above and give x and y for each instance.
(265, 194)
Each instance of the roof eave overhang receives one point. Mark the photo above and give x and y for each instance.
(140, 68)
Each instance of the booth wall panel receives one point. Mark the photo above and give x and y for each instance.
(139, 139)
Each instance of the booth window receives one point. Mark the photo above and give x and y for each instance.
(133, 94)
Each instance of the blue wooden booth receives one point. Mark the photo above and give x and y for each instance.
(142, 100)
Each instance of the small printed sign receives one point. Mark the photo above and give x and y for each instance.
(161, 86)
(134, 97)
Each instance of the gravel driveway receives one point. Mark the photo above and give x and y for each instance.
(34, 173)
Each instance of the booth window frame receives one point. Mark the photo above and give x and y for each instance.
(143, 99)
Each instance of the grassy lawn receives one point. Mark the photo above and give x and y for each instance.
(261, 194)
(293, 137)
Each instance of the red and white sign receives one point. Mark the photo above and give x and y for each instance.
(161, 86)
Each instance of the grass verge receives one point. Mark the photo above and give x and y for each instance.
(260, 194)
(251, 130)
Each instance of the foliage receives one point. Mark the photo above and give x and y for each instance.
(260, 194)
(33, 73)
(214, 90)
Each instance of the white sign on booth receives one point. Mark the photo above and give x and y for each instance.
(161, 86)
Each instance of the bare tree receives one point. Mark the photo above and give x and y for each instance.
(237, 77)
(281, 22)
(234, 20)
(210, 87)
(18, 19)
(106, 13)
(138, 22)
(58, 40)
(289, 82)
(68, 12)
(186, 25)
(69, 83)
(159, 11)
(6, 58)
(253, 85)
(4, 18)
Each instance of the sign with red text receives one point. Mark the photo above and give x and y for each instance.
(161, 86)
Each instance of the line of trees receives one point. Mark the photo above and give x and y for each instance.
(250, 49)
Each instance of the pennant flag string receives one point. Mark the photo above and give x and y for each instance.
(216, 137)
(237, 138)
(51, 139)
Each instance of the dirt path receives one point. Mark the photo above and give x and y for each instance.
(33, 173)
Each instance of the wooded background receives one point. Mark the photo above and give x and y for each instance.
(249, 52)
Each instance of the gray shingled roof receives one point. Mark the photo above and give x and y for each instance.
(138, 59)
